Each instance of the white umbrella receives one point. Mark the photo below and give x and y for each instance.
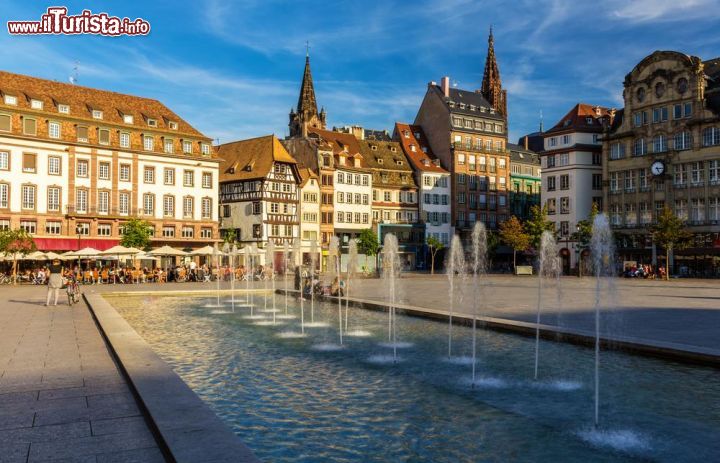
(167, 251)
(52, 256)
(120, 251)
(206, 251)
(145, 256)
(37, 255)
(84, 252)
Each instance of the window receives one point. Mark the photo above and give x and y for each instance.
(340, 217)
(206, 208)
(168, 231)
(104, 229)
(696, 173)
(711, 136)
(82, 168)
(188, 207)
(565, 226)
(274, 208)
(11, 100)
(148, 143)
(630, 180)
(207, 180)
(168, 205)
(682, 141)
(348, 217)
(29, 161)
(207, 232)
(188, 178)
(365, 180)
(550, 161)
(53, 198)
(551, 183)
(82, 134)
(5, 123)
(124, 140)
(680, 174)
(82, 228)
(565, 182)
(124, 203)
(29, 126)
(169, 146)
(149, 175)
(565, 205)
(659, 144)
(551, 205)
(617, 151)
(173, 125)
(4, 195)
(714, 171)
(36, 104)
(187, 147)
(81, 200)
(53, 227)
(681, 209)
(688, 109)
(639, 147)
(169, 176)
(187, 232)
(566, 139)
(28, 226)
(257, 208)
(53, 129)
(54, 165)
(4, 224)
(104, 136)
(714, 208)
(597, 159)
(103, 202)
(124, 172)
(149, 204)
(104, 171)
(96, 114)
(64, 109)
(387, 196)
(660, 115)
(564, 159)
(205, 149)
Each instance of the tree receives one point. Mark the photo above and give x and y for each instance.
(434, 245)
(137, 234)
(513, 234)
(14, 243)
(367, 243)
(671, 233)
(537, 224)
(230, 236)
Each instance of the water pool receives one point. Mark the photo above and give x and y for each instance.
(300, 400)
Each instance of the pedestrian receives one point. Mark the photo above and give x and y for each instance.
(55, 281)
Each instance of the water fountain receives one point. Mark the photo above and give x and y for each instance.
(333, 273)
(233, 255)
(314, 254)
(479, 267)
(603, 261)
(270, 275)
(297, 257)
(548, 269)
(455, 268)
(352, 265)
(391, 272)
(251, 252)
(286, 253)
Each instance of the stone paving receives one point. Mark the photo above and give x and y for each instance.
(62, 397)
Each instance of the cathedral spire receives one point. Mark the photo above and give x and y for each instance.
(306, 114)
(491, 84)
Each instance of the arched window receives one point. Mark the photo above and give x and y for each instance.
(711, 136)
(683, 141)
(639, 147)
(659, 143)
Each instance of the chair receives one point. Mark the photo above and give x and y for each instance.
(96, 277)
(87, 277)
(105, 276)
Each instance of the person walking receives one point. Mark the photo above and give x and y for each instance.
(55, 281)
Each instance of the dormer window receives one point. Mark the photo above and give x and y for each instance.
(426, 162)
(451, 104)
(173, 125)
(412, 148)
(589, 120)
(128, 119)
(152, 122)
(492, 110)
(393, 149)
(473, 107)
(398, 162)
(373, 147)
(406, 133)
(36, 104)
(380, 160)
(97, 114)
(205, 149)
(63, 109)
(424, 148)
(11, 100)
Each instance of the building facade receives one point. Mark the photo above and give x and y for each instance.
(259, 191)
(76, 163)
(467, 131)
(525, 180)
(572, 173)
(433, 182)
(664, 150)
(309, 209)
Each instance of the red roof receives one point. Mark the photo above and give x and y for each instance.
(584, 117)
(412, 136)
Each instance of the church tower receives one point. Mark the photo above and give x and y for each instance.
(306, 114)
(491, 87)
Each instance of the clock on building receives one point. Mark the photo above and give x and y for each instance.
(657, 168)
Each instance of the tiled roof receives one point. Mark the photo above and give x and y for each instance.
(304, 151)
(83, 100)
(388, 159)
(467, 102)
(251, 159)
(341, 143)
(577, 119)
(519, 154)
(305, 175)
(422, 158)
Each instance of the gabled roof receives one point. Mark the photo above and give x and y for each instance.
(466, 102)
(251, 159)
(305, 175)
(83, 100)
(519, 154)
(341, 143)
(422, 158)
(304, 151)
(583, 118)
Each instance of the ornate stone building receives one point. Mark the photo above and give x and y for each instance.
(662, 150)
(306, 115)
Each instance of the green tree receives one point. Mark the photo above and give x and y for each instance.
(671, 233)
(435, 245)
(537, 224)
(514, 235)
(367, 243)
(230, 236)
(16, 243)
(137, 234)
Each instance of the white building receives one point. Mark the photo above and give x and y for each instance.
(572, 174)
(309, 209)
(259, 192)
(433, 182)
(76, 163)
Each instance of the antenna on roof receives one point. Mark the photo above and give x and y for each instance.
(74, 77)
(217, 141)
(541, 121)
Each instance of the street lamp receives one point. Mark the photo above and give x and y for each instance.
(78, 231)
(578, 251)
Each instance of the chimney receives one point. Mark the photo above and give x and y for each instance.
(445, 85)
(526, 142)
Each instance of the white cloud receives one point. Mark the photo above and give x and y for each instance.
(643, 11)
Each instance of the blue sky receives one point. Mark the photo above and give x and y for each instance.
(233, 69)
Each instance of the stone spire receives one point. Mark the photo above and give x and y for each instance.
(491, 87)
(306, 115)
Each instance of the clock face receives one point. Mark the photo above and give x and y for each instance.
(657, 168)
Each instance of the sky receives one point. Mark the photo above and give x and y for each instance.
(233, 68)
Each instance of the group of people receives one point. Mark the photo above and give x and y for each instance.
(645, 271)
(310, 283)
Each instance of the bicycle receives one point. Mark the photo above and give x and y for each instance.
(73, 291)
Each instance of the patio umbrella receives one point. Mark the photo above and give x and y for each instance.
(52, 256)
(167, 251)
(84, 252)
(37, 255)
(120, 251)
(206, 251)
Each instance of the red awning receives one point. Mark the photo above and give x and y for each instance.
(72, 244)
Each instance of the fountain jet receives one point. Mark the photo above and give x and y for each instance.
(334, 272)
(455, 267)
(391, 272)
(549, 268)
(479, 269)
